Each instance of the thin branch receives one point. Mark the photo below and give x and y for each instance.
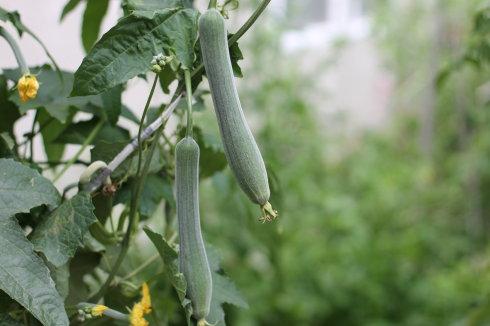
(132, 146)
(16, 49)
(188, 87)
(245, 27)
(32, 133)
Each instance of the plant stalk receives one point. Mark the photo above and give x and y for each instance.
(32, 133)
(136, 193)
(188, 91)
(16, 49)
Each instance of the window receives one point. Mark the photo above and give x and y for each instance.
(304, 12)
(358, 8)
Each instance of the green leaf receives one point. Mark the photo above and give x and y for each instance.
(77, 133)
(6, 146)
(25, 277)
(82, 264)
(185, 24)
(60, 276)
(69, 7)
(212, 155)
(8, 110)
(92, 19)
(224, 290)
(60, 234)
(52, 128)
(122, 53)
(127, 49)
(235, 56)
(170, 261)
(14, 18)
(128, 114)
(166, 77)
(112, 105)
(22, 188)
(231, 5)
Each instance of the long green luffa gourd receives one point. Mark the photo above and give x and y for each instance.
(193, 261)
(241, 150)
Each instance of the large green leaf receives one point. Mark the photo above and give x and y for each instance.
(22, 188)
(92, 19)
(170, 260)
(25, 277)
(126, 50)
(60, 234)
(181, 30)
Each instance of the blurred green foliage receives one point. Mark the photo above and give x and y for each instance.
(372, 231)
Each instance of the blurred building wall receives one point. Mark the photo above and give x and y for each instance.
(336, 34)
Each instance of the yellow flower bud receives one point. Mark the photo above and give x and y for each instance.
(27, 87)
(136, 316)
(98, 310)
(145, 298)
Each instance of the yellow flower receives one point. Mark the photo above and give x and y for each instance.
(98, 310)
(136, 316)
(27, 87)
(145, 298)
